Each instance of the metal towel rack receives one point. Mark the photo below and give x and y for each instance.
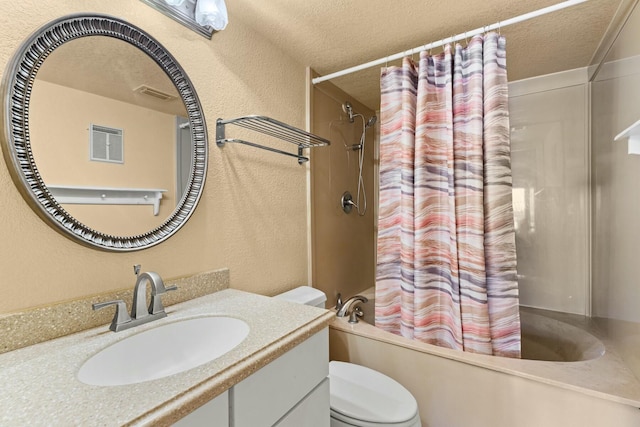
(274, 128)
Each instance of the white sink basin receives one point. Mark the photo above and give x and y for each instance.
(166, 350)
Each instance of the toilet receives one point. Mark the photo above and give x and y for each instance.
(360, 396)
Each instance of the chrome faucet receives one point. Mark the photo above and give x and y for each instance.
(139, 309)
(350, 307)
(140, 313)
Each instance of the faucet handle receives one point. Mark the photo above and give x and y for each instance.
(357, 312)
(338, 301)
(160, 288)
(121, 317)
(136, 269)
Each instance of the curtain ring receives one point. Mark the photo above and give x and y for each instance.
(466, 39)
(499, 28)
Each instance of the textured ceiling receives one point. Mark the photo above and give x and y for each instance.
(103, 66)
(330, 35)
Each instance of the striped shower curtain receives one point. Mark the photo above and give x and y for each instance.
(446, 261)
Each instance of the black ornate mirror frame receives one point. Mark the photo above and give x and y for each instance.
(16, 94)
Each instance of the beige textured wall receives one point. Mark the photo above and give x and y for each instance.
(252, 215)
(616, 195)
(343, 250)
(60, 141)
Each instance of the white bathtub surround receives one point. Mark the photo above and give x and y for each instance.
(550, 161)
(44, 389)
(616, 207)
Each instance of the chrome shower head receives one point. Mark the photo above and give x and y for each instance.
(348, 109)
(372, 121)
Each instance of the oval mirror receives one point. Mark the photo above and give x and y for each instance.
(104, 134)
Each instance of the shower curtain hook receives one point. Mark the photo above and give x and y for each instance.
(499, 28)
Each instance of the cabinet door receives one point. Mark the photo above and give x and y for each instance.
(214, 413)
(312, 411)
(270, 393)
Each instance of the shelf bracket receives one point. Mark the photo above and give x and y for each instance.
(633, 134)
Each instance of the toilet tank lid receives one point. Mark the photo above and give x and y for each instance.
(304, 295)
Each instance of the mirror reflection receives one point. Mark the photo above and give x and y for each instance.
(105, 118)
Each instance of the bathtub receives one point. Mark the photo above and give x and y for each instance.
(569, 375)
(544, 337)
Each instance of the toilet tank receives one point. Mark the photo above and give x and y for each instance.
(305, 295)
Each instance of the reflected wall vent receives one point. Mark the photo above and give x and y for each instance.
(147, 90)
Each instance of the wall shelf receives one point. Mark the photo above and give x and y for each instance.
(274, 128)
(107, 196)
(633, 133)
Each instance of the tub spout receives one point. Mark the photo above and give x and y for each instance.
(350, 305)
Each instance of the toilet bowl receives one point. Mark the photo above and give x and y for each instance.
(359, 396)
(362, 397)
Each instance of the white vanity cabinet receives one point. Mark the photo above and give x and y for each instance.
(290, 391)
(214, 413)
(312, 411)
(290, 386)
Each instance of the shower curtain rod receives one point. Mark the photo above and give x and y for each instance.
(461, 36)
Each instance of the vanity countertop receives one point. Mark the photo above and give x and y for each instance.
(40, 385)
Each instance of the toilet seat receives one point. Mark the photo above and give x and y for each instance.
(349, 422)
(363, 397)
